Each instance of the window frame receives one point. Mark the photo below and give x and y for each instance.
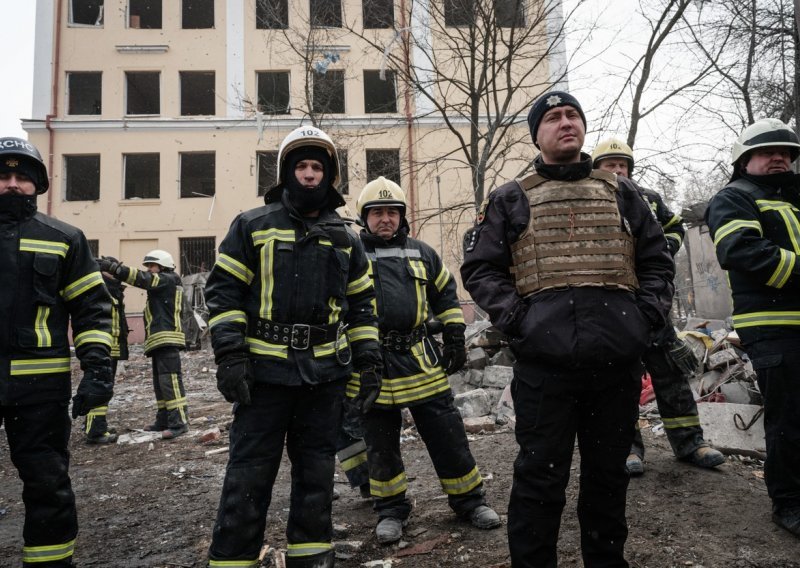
(66, 165)
(182, 161)
(125, 169)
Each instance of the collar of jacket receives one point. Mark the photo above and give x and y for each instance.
(275, 193)
(564, 172)
(399, 238)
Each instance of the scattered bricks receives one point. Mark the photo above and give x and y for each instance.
(473, 403)
(479, 424)
(210, 435)
(722, 359)
(477, 359)
(475, 378)
(504, 358)
(497, 377)
(724, 430)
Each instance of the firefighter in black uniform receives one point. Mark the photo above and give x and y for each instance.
(410, 279)
(755, 225)
(48, 280)
(164, 338)
(292, 316)
(96, 426)
(669, 360)
(570, 263)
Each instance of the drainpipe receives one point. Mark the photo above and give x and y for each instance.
(54, 103)
(412, 172)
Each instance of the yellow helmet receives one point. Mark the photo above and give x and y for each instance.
(380, 192)
(763, 133)
(613, 148)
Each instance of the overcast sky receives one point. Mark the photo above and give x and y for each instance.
(17, 20)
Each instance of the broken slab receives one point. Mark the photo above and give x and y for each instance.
(477, 358)
(473, 403)
(723, 424)
(479, 424)
(504, 357)
(497, 377)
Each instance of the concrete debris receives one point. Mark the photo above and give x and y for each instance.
(473, 403)
(209, 436)
(477, 358)
(138, 437)
(479, 424)
(734, 428)
(497, 377)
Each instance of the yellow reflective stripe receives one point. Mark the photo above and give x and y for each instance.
(258, 347)
(736, 225)
(98, 411)
(231, 316)
(362, 333)
(463, 484)
(353, 455)
(675, 237)
(233, 563)
(235, 268)
(267, 281)
(420, 277)
(393, 395)
(788, 213)
(81, 285)
(161, 338)
(262, 237)
(336, 310)
(50, 553)
(784, 269)
(179, 402)
(359, 285)
(39, 366)
(672, 222)
(680, 422)
(307, 549)
(394, 486)
(753, 319)
(326, 349)
(154, 280)
(43, 337)
(49, 247)
(453, 315)
(178, 307)
(132, 273)
(160, 405)
(443, 278)
(92, 336)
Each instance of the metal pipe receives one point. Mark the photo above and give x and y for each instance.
(53, 104)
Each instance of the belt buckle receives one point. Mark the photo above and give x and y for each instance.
(301, 336)
(392, 338)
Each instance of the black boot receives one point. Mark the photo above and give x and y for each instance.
(160, 423)
(324, 560)
(97, 430)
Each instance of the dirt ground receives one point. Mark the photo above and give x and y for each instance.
(153, 504)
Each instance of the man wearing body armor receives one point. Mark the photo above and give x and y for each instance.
(292, 316)
(410, 279)
(669, 360)
(571, 265)
(755, 226)
(49, 280)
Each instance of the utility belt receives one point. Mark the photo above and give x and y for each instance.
(299, 336)
(394, 340)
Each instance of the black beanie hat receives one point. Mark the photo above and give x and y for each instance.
(27, 167)
(308, 153)
(547, 101)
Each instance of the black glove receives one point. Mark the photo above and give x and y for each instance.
(234, 377)
(109, 264)
(369, 390)
(95, 389)
(454, 352)
(683, 357)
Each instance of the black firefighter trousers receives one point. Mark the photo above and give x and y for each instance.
(307, 419)
(554, 405)
(38, 435)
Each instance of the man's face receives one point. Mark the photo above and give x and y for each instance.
(383, 221)
(15, 183)
(560, 135)
(770, 160)
(153, 267)
(617, 166)
(309, 173)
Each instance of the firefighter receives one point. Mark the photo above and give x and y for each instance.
(670, 362)
(570, 263)
(49, 280)
(410, 279)
(754, 222)
(292, 316)
(164, 336)
(96, 426)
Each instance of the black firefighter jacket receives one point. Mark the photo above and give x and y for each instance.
(576, 326)
(275, 266)
(411, 283)
(49, 276)
(756, 230)
(671, 223)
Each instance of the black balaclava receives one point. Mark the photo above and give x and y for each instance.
(304, 199)
(15, 207)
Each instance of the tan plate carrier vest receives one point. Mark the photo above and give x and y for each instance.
(575, 236)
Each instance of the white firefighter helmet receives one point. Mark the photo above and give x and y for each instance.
(159, 257)
(308, 136)
(763, 133)
(613, 148)
(380, 192)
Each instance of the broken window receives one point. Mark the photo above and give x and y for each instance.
(272, 14)
(273, 92)
(197, 14)
(86, 12)
(384, 163)
(379, 94)
(267, 171)
(328, 92)
(82, 178)
(197, 93)
(509, 13)
(84, 93)
(198, 174)
(459, 12)
(142, 173)
(198, 254)
(344, 178)
(144, 14)
(143, 92)
(378, 13)
(326, 13)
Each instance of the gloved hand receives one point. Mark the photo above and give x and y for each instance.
(234, 376)
(683, 357)
(109, 264)
(369, 390)
(95, 389)
(454, 352)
